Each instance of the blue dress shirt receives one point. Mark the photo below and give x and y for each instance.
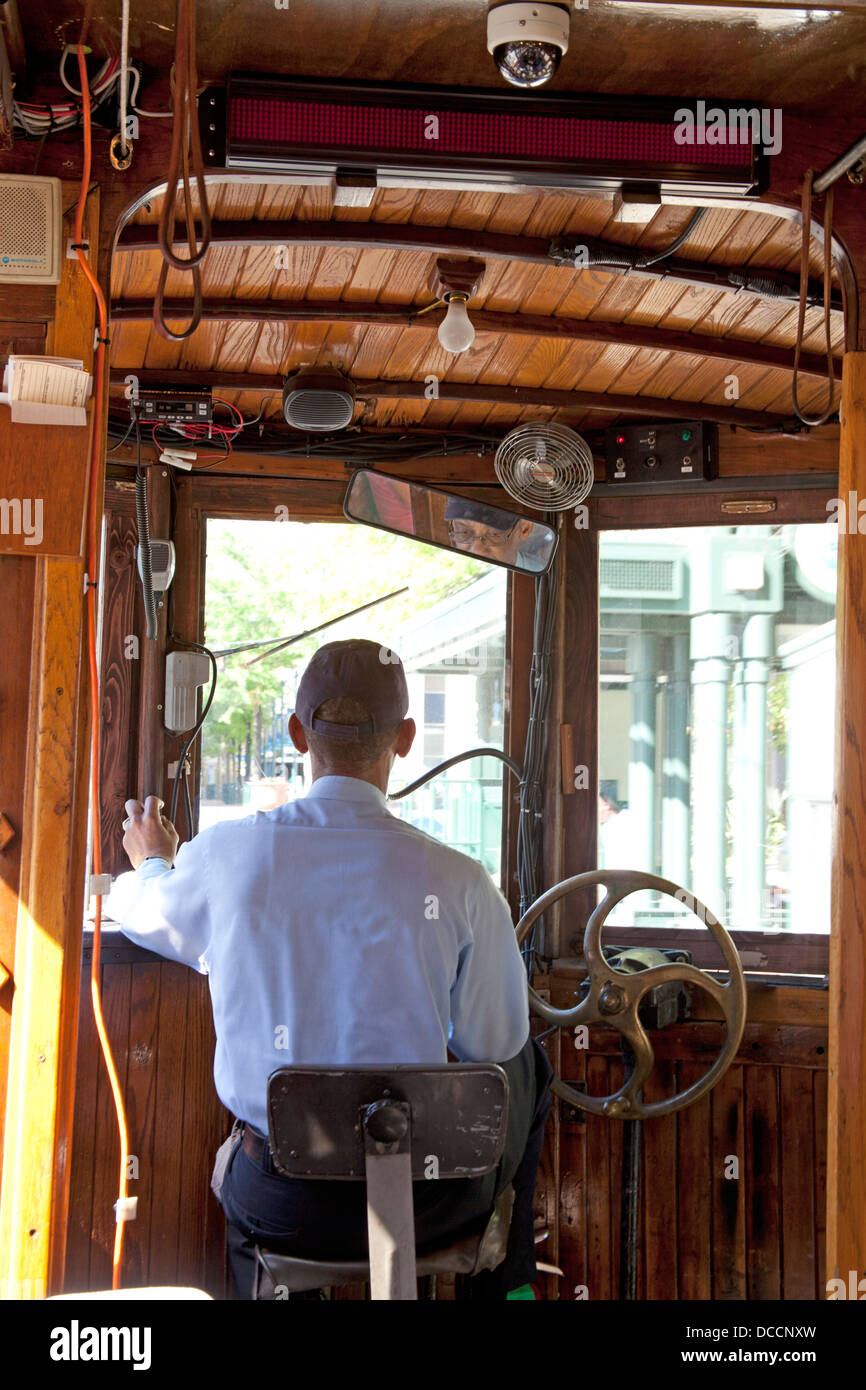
(331, 932)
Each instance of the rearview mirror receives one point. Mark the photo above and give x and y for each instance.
(453, 523)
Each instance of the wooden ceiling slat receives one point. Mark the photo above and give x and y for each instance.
(258, 274)
(473, 210)
(690, 307)
(619, 296)
(272, 346)
(724, 317)
(369, 274)
(505, 286)
(511, 214)
(658, 300)
(375, 348)
(434, 208)
(395, 205)
(551, 215)
(764, 317)
(333, 273)
(636, 374)
(599, 373)
(811, 394)
(814, 340)
(586, 288)
(544, 292)
(407, 280)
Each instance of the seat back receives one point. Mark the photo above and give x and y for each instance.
(324, 1122)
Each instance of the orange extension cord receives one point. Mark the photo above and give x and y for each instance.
(92, 567)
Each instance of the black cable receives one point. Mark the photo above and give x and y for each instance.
(353, 446)
(675, 244)
(529, 827)
(451, 762)
(130, 428)
(188, 805)
(195, 730)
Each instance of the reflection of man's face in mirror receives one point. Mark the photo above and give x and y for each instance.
(488, 541)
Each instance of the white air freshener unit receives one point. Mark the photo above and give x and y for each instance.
(31, 230)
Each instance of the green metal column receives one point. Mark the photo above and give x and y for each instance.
(750, 750)
(711, 668)
(643, 668)
(675, 855)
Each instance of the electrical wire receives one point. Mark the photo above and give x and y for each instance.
(352, 446)
(46, 118)
(93, 545)
(124, 76)
(806, 211)
(451, 762)
(194, 732)
(529, 827)
(149, 115)
(675, 244)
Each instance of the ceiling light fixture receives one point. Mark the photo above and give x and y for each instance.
(454, 282)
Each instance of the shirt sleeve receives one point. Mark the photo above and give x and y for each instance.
(490, 999)
(167, 910)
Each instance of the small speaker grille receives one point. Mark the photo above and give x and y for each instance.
(24, 214)
(30, 230)
(319, 410)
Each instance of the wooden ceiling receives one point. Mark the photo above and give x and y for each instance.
(647, 324)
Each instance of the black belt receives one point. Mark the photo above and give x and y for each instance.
(257, 1146)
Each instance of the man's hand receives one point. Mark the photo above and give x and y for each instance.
(148, 832)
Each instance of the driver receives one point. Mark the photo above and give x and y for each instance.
(488, 531)
(332, 932)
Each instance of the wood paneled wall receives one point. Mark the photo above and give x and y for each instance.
(159, 1021)
(733, 1186)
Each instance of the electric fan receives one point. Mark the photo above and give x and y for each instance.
(545, 465)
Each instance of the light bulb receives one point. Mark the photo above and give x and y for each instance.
(456, 332)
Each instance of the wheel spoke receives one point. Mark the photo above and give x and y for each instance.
(690, 974)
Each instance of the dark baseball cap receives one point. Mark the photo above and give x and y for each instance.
(464, 509)
(366, 670)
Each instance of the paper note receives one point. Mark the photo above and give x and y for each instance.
(47, 390)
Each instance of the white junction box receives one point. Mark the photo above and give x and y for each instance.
(184, 673)
(31, 226)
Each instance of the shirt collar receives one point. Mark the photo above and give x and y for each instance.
(347, 789)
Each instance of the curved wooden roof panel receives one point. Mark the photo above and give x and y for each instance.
(540, 327)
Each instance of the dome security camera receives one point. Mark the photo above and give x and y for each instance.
(527, 41)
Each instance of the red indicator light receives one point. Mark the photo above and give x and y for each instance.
(620, 439)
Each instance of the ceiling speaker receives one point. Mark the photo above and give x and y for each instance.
(318, 398)
(31, 225)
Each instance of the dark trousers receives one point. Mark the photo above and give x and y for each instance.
(326, 1220)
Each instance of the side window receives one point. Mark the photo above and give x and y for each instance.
(716, 720)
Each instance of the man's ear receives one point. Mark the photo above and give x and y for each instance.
(297, 735)
(405, 737)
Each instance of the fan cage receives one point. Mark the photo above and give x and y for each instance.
(545, 465)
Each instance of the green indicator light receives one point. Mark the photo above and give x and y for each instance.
(686, 435)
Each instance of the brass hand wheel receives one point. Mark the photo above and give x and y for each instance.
(614, 996)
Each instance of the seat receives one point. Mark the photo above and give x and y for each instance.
(388, 1127)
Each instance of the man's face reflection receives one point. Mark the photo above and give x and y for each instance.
(488, 541)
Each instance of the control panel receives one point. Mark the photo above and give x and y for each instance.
(163, 406)
(666, 451)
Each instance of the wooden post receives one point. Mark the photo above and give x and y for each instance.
(151, 735)
(846, 1147)
(48, 655)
